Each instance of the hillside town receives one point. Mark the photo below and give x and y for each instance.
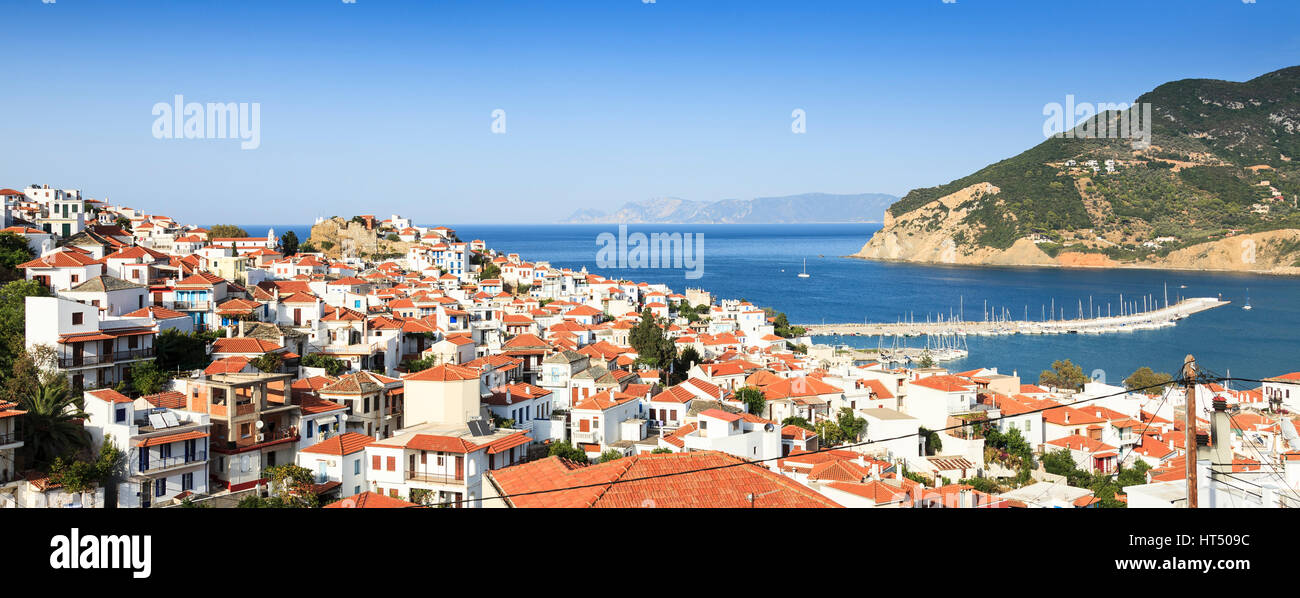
(165, 364)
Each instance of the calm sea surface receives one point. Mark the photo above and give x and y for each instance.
(759, 263)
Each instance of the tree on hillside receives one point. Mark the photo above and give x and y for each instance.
(797, 421)
(332, 365)
(289, 243)
(147, 378)
(13, 319)
(564, 450)
(123, 223)
(611, 455)
(184, 351)
(13, 251)
(490, 270)
(753, 399)
(1144, 377)
(652, 346)
(1063, 374)
(268, 362)
(52, 426)
(226, 231)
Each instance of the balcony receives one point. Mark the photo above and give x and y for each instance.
(191, 305)
(10, 438)
(158, 464)
(86, 361)
(431, 477)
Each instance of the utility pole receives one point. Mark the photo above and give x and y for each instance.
(1189, 428)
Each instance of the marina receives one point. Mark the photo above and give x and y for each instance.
(1144, 320)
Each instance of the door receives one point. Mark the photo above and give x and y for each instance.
(460, 467)
(77, 350)
(297, 316)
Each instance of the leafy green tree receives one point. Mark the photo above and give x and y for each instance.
(611, 455)
(307, 247)
(226, 231)
(79, 476)
(13, 251)
(851, 426)
(1059, 462)
(419, 365)
(1064, 374)
(123, 223)
(926, 361)
(489, 271)
(661, 451)
(147, 378)
(753, 399)
(933, 442)
(652, 346)
(13, 319)
(393, 237)
(289, 243)
(797, 421)
(983, 485)
(184, 351)
(268, 362)
(52, 426)
(1144, 377)
(564, 450)
(293, 484)
(332, 365)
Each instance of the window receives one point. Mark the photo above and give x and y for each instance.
(120, 415)
(311, 429)
(76, 316)
(356, 489)
(356, 467)
(187, 481)
(160, 487)
(165, 451)
(392, 464)
(374, 462)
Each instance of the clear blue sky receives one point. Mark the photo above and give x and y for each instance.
(385, 105)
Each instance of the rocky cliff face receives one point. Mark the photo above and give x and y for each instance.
(339, 238)
(938, 233)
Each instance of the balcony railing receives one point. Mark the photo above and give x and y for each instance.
(10, 438)
(156, 463)
(106, 358)
(191, 305)
(435, 477)
(133, 354)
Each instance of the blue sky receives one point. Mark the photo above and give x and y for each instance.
(385, 106)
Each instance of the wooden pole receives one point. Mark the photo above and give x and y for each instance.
(1189, 428)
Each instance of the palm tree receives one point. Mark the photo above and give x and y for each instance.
(51, 427)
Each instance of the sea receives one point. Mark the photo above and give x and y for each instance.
(760, 263)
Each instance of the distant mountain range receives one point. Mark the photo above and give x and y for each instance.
(792, 209)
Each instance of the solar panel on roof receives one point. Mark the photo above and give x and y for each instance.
(157, 421)
(170, 419)
(478, 427)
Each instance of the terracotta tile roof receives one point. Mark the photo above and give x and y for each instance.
(343, 444)
(228, 365)
(244, 344)
(370, 500)
(705, 479)
(170, 399)
(443, 373)
(109, 395)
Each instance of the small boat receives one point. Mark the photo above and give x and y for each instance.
(1247, 305)
(804, 274)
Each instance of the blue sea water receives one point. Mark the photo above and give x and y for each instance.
(759, 263)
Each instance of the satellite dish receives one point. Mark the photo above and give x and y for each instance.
(259, 424)
(1289, 433)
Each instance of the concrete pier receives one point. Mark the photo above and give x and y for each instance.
(1148, 320)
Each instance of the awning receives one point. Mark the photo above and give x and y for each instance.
(129, 331)
(170, 438)
(84, 337)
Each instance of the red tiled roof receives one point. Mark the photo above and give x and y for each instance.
(343, 444)
(705, 479)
